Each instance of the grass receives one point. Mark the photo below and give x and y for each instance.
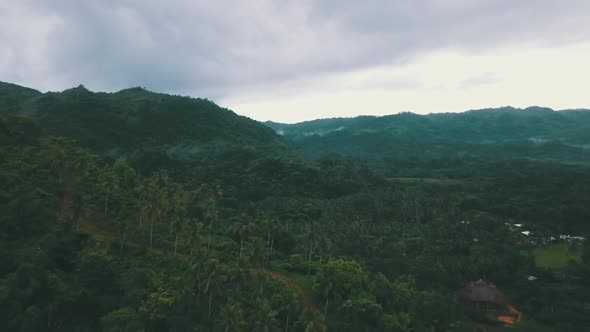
(556, 256)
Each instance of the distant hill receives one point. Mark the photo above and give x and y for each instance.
(135, 118)
(12, 96)
(500, 133)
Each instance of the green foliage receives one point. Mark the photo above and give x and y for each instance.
(446, 140)
(136, 236)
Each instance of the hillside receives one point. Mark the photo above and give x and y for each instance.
(246, 236)
(503, 133)
(135, 118)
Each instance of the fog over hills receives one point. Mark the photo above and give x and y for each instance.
(534, 132)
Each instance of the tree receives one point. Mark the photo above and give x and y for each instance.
(265, 316)
(57, 148)
(215, 276)
(241, 231)
(115, 181)
(179, 201)
(156, 199)
(194, 229)
(339, 279)
(214, 194)
(361, 312)
(120, 320)
(231, 316)
(400, 322)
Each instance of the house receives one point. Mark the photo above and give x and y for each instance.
(526, 233)
(483, 296)
(481, 293)
(572, 238)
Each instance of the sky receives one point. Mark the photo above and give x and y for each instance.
(291, 61)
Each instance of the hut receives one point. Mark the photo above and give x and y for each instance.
(478, 293)
(484, 296)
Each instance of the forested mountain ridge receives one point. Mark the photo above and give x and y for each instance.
(534, 132)
(135, 118)
(96, 240)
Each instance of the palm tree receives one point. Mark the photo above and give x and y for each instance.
(314, 323)
(215, 277)
(195, 269)
(160, 207)
(158, 199)
(178, 226)
(57, 148)
(213, 195)
(107, 181)
(179, 207)
(265, 316)
(239, 273)
(327, 292)
(232, 316)
(241, 231)
(194, 239)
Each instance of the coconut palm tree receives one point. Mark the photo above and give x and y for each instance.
(231, 316)
(241, 231)
(214, 194)
(215, 276)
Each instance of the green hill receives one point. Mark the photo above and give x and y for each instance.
(502, 133)
(117, 230)
(135, 118)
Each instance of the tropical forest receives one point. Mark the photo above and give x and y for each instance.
(143, 211)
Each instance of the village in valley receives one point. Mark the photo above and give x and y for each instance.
(539, 241)
(549, 251)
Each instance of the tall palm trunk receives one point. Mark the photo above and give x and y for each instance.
(287, 324)
(152, 232)
(309, 262)
(210, 298)
(106, 203)
(209, 238)
(175, 244)
(272, 243)
(241, 247)
(123, 239)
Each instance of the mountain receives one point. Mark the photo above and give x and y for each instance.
(534, 132)
(244, 237)
(135, 118)
(12, 96)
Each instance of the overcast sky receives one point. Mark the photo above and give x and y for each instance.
(290, 61)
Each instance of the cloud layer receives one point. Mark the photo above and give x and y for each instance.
(219, 48)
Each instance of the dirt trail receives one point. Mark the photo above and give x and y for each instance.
(90, 228)
(304, 294)
(93, 229)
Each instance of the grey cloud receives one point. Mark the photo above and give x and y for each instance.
(212, 48)
(478, 80)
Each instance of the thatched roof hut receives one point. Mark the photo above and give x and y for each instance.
(481, 291)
